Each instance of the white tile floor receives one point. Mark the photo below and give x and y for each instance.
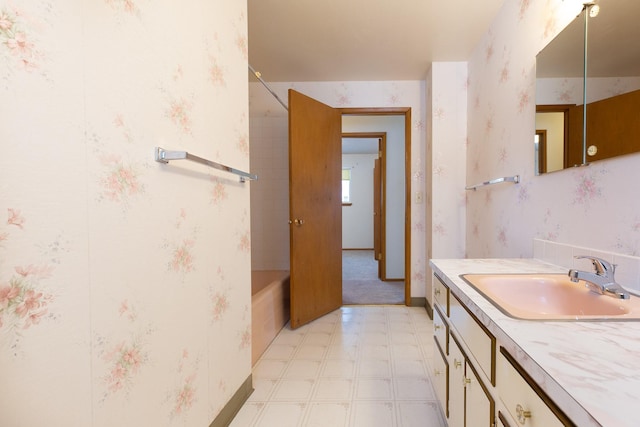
(357, 366)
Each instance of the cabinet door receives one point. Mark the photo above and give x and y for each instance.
(480, 407)
(441, 378)
(456, 385)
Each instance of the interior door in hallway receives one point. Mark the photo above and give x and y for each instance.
(315, 208)
(377, 216)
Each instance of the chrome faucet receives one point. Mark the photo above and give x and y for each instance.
(602, 281)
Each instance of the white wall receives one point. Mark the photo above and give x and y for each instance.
(357, 218)
(553, 123)
(124, 283)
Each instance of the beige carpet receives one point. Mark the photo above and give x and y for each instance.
(360, 283)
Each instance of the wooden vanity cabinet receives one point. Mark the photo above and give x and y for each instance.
(464, 398)
(477, 387)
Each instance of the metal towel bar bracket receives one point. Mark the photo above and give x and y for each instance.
(164, 156)
(259, 77)
(515, 179)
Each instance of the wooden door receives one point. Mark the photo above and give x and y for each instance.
(315, 208)
(377, 214)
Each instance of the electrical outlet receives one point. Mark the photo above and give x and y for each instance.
(418, 197)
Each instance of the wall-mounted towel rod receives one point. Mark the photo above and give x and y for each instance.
(164, 156)
(515, 179)
(259, 77)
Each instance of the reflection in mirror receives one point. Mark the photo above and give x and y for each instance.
(559, 99)
(552, 133)
(612, 83)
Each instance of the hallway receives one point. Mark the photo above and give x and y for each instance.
(360, 283)
(357, 366)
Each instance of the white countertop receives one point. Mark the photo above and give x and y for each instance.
(590, 369)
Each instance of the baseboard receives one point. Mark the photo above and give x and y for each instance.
(230, 410)
(422, 302)
(418, 302)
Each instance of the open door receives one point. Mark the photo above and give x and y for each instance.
(315, 208)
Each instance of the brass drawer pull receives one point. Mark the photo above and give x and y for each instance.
(456, 363)
(437, 291)
(522, 414)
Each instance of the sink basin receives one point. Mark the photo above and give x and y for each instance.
(550, 297)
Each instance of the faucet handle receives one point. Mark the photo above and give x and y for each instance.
(603, 267)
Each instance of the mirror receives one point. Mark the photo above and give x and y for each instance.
(611, 88)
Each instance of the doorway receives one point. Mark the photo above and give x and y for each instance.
(396, 236)
(314, 195)
(363, 192)
(364, 278)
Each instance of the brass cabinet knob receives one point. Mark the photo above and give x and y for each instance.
(522, 414)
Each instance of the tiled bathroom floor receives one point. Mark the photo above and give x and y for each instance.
(357, 366)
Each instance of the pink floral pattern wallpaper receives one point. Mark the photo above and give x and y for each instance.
(570, 206)
(121, 279)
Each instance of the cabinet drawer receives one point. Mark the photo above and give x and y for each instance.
(441, 330)
(441, 378)
(441, 295)
(481, 343)
(525, 405)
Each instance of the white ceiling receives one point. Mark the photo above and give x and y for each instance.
(362, 40)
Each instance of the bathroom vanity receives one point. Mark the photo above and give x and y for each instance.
(492, 369)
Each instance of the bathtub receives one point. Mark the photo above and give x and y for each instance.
(269, 308)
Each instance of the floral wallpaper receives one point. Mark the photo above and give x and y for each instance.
(124, 283)
(593, 207)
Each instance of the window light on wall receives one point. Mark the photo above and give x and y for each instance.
(346, 185)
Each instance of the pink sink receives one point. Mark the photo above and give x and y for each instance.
(550, 297)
